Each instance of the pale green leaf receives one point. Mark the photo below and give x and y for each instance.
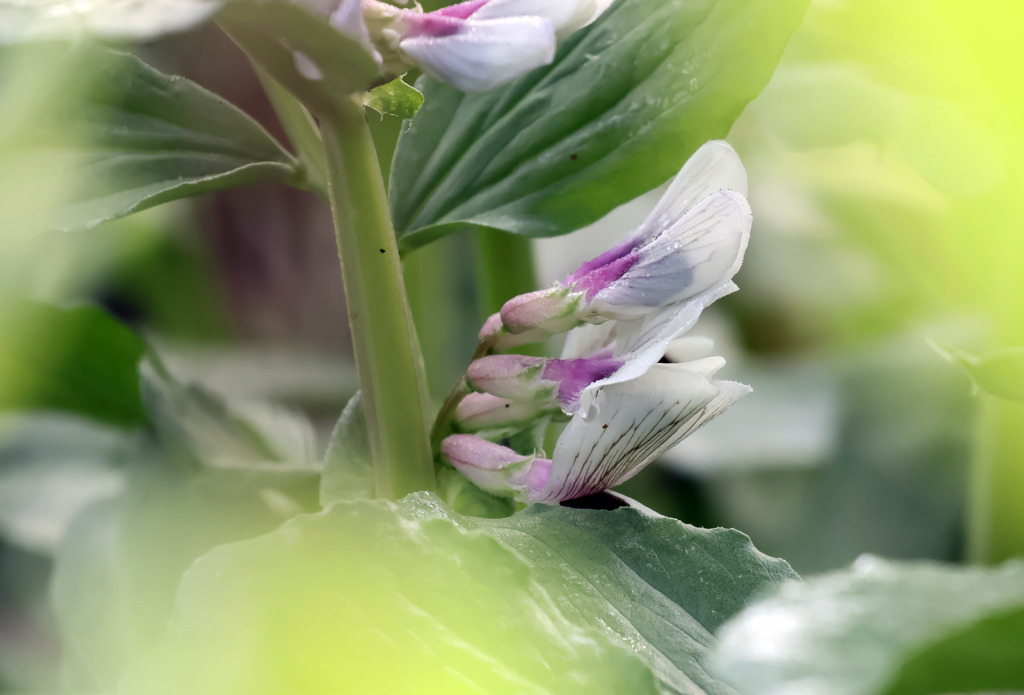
(551, 600)
(348, 464)
(998, 372)
(882, 628)
(396, 98)
(130, 137)
(128, 20)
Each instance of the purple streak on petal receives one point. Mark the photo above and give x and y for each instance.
(597, 280)
(430, 25)
(612, 254)
(460, 11)
(575, 375)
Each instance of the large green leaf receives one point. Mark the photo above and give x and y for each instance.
(624, 104)
(214, 472)
(882, 628)
(551, 600)
(130, 137)
(119, 565)
(78, 360)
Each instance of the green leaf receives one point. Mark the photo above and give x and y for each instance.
(348, 464)
(118, 567)
(46, 20)
(210, 430)
(77, 360)
(998, 372)
(551, 600)
(52, 467)
(882, 628)
(135, 137)
(396, 98)
(625, 103)
(653, 582)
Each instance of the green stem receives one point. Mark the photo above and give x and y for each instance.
(995, 513)
(387, 353)
(504, 269)
(302, 132)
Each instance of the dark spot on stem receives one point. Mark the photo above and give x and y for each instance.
(604, 427)
(574, 157)
(383, 251)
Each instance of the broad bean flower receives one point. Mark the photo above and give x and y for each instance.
(476, 45)
(629, 385)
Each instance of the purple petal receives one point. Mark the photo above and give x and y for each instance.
(573, 376)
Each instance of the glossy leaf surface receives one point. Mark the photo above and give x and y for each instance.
(882, 628)
(550, 600)
(626, 102)
(134, 138)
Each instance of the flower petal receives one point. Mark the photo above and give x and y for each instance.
(630, 425)
(566, 16)
(349, 20)
(702, 251)
(484, 54)
(712, 168)
(688, 349)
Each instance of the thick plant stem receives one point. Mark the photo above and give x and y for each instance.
(996, 515)
(387, 353)
(504, 269)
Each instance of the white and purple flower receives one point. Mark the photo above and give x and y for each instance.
(476, 45)
(631, 386)
(687, 249)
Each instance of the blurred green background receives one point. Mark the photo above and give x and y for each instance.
(884, 163)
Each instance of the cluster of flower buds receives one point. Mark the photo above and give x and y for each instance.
(475, 46)
(628, 384)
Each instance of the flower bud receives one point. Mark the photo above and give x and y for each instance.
(483, 411)
(495, 468)
(539, 380)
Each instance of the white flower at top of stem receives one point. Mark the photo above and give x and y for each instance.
(475, 46)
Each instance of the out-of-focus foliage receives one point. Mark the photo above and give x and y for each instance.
(550, 600)
(138, 138)
(211, 474)
(77, 360)
(999, 372)
(52, 467)
(45, 20)
(624, 104)
(881, 628)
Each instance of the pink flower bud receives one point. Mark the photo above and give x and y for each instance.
(494, 468)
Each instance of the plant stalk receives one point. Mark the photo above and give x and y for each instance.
(388, 358)
(995, 512)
